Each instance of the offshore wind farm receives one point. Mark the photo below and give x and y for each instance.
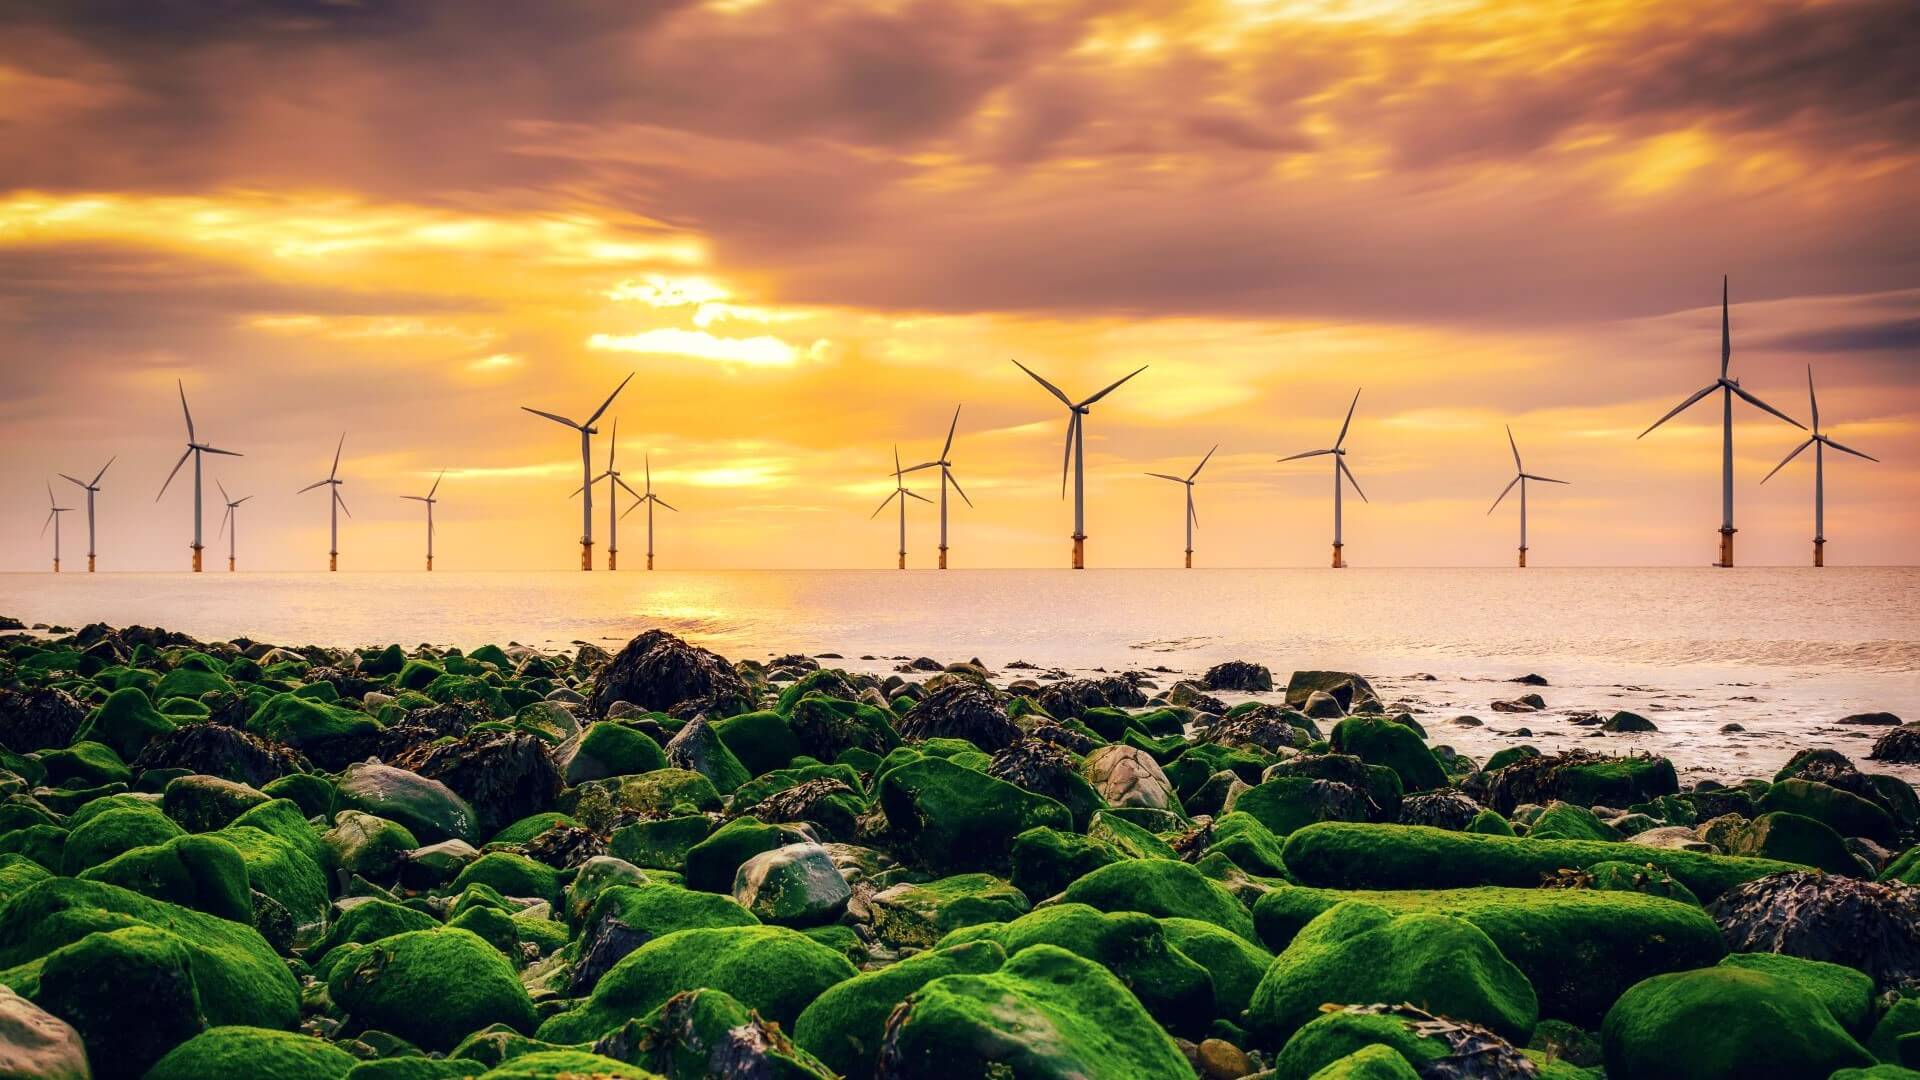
(897, 755)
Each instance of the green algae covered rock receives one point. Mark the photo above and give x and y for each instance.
(128, 992)
(252, 1052)
(657, 909)
(1564, 821)
(430, 987)
(1235, 964)
(1376, 1062)
(199, 872)
(368, 920)
(512, 875)
(1378, 740)
(329, 734)
(606, 749)
(1842, 811)
(1579, 949)
(281, 869)
(911, 915)
(1847, 994)
(205, 803)
(1725, 1021)
(361, 843)
(794, 885)
(565, 1065)
(1353, 856)
(113, 832)
(428, 808)
(1046, 1014)
(661, 843)
(954, 819)
(771, 969)
(709, 1033)
(1164, 888)
(1250, 844)
(669, 791)
(1356, 953)
(761, 741)
(712, 864)
(1794, 838)
(845, 1025)
(1046, 860)
(1434, 1046)
(85, 762)
(311, 792)
(125, 722)
(1288, 803)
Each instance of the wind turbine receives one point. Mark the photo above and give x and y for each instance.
(429, 500)
(899, 492)
(231, 517)
(1731, 388)
(53, 519)
(1339, 469)
(614, 484)
(1521, 476)
(1076, 456)
(91, 487)
(587, 432)
(1193, 519)
(650, 499)
(946, 477)
(334, 505)
(194, 450)
(1819, 443)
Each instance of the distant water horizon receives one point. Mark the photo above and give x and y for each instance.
(1782, 651)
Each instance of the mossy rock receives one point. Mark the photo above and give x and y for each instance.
(1579, 949)
(771, 969)
(17, 873)
(1621, 876)
(761, 741)
(953, 819)
(253, 1052)
(126, 721)
(712, 863)
(1286, 804)
(1490, 823)
(1045, 1014)
(114, 832)
(128, 992)
(669, 792)
(657, 909)
(329, 734)
(1129, 839)
(828, 727)
(1842, 811)
(662, 843)
(430, 987)
(606, 749)
(311, 792)
(42, 845)
(512, 874)
(1901, 1019)
(1795, 838)
(845, 1025)
(1162, 888)
(1847, 994)
(1357, 953)
(199, 872)
(1251, 845)
(1564, 821)
(1725, 1021)
(282, 870)
(1379, 740)
(364, 844)
(528, 827)
(1353, 856)
(916, 916)
(1234, 963)
(1045, 861)
(205, 803)
(368, 920)
(86, 764)
(428, 808)
(1376, 1062)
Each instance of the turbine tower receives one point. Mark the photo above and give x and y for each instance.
(334, 504)
(1339, 469)
(231, 517)
(1730, 389)
(429, 500)
(1076, 455)
(614, 484)
(92, 488)
(1819, 443)
(53, 519)
(1520, 477)
(194, 450)
(587, 432)
(1192, 518)
(649, 499)
(899, 492)
(946, 477)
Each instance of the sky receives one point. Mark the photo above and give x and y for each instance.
(812, 228)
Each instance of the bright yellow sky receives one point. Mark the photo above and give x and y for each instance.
(813, 229)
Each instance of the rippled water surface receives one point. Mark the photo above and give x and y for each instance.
(1781, 651)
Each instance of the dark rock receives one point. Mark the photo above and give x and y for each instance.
(504, 775)
(1071, 697)
(1050, 731)
(661, 672)
(829, 805)
(1731, 729)
(1043, 768)
(347, 684)
(1529, 679)
(1523, 703)
(961, 710)
(216, 750)
(43, 719)
(1582, 778)
(452, 718)
(1624, 721)
(1262, 727)
(1441, 809)
(1875, 719)
(1240, 675)
(564, 847)
(1346, 687)
(602, 945)
(1869, 926)
(1900, 745)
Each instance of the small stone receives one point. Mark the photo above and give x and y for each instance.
(1218, 1059)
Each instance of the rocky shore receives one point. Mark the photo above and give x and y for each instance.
(299, 863)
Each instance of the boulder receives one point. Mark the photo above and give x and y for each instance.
(36, 1044)
(1426, 1045)
(503, 776)
(1623, 722)
(1238, 675)
(1125, 775)
(369, 846)
(954, 819)
(1724, 1021)
(794, 885)
(1581, 778)
(1287, 803)
(846, 1025)
(255, 1052)
(658, 671)
(709, 1033)
(960, 710)
(606, 749)
(126, 721)
(916, 916)
(427, 808)
(430, 987)
(1872, 927)
(1068, 699)
(45, 718)
(825, 728)
(1343, 686)
(1441, 809)
(331, 736)
(1162, 888)
(1379, 740)
(1792, 838)
(1900, 745)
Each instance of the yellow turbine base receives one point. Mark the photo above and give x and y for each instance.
(333, 561)
(943, 558)
(196, 559)
(1523, 558)
(1726, 548)
(586, 556)
(1819, 553)
(1079, 553)
(649, 560)
(1338, 562)
(613, 559)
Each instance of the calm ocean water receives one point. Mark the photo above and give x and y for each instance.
(1782, 652)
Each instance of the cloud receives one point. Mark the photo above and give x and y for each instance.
(1893, 335)
(761, 351)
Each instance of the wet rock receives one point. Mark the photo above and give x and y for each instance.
(217, 750)
(1069, 698)
(1127, 776)
(794, 885)
(697, 747)
(1322, 706)
(828, 804)
(659, 671)
(1871, 719)
(503, 776)
(1869, 926)
(1263, 727)
(1583, 778)
(1345, 687)
(1900, 745)
(1529, 679)
(708, 1033)
(1624, 721)
(1731, 729)
(603, 944)
(1441, 809)
(564, 846)
(1189, 695)
(1673, 838)
(1525, 703)
(42, 719)
(1238, 675)
(35, 1043)
(961, 710)
(1051, 731)
(429, 809)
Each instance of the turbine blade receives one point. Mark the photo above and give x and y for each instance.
(637, 504)
(1678, 409)
(552, 417)
(1812, 401)
(69, 479)
(666, 504)
(1164, 476)
(183, 408)
(1849, 450)
(1545, 479)
(1348, 473)
(1516, 450)
(1051, 389)
(626, 486)
(1503, 494)
(1758, 404)
(49, 521)
(1066, 457)
(104, 468)
(609, 401)
(649, 468)
(895, 493)
(917, 495)
(1114, 386)
(613, 442)
(415, 498)
(217, 450)
(335, 471)
(917, 468)
(896, 463)
(342, 502)
(951, 428)
(576, 491)
(1307, 454)
(1203, 462)
(1789, 457)
(436, 483)
(310, 487)
(1192, 514)
(1726, 332)
(955, 481)
(224, 497)
(1348, 421)
(174, 473)
(223, 523)
(241, 499)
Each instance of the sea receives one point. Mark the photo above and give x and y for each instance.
(1778, 654)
